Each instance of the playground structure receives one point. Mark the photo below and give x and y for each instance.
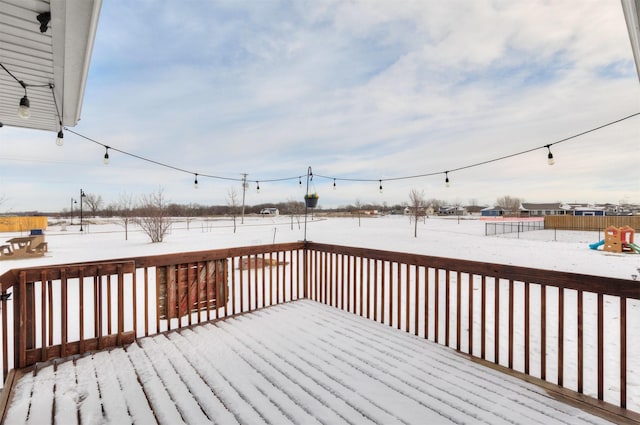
(617, 239)
(33, 245)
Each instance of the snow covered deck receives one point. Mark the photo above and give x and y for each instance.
(297, 362)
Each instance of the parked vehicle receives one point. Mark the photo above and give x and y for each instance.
(269, 211)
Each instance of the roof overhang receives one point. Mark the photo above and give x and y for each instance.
(631, 10)
(58, 58)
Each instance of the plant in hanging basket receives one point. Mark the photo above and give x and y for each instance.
(311, 200)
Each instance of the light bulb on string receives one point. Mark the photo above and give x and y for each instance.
(446, 179)
(300, 182)
(106, 155)
(60, 138)
(195, 181)
(550, 159)
(257, 186)
(380, 187)
(23, 108)
(334, 184)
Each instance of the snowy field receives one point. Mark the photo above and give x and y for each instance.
(444, 237)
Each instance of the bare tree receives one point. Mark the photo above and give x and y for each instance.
(154, 219)
(358, 206)
(189, 213)
(509, 204)
(417, 206)
(233, 204)
(435, 204)
(124, 210)
(458, 209)
(296, 209)
(93, 202)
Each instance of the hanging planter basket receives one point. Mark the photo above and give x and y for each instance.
(311, 200)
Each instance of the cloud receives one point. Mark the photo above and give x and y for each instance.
(355, 89)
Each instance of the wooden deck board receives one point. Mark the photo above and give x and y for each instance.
(296, 362)
(66, 396)
(136, 399)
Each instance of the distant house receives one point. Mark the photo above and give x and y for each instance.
(589, 211)
(423, 211)
(540, 210)
(492, 212)
(474, 209)
(615, 209)
(455, 210)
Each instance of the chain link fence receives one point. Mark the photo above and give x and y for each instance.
(492, 229)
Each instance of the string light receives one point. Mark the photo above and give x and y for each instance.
(548, 146)
(257, 186)
(23, 106)
(334, 184)
(446, 179)
(23, 109)
(60, 138)
(380, 188)
(106, 155)
(195, 182)
(550, 159)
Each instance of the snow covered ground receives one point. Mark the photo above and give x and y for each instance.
(450, 237)
(444, 237)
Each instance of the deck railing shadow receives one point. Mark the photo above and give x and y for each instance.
(566, 329)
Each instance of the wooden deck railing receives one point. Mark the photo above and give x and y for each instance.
(58, 311)
(568, 329)
(571, 330)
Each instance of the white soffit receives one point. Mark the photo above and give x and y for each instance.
(59, 56)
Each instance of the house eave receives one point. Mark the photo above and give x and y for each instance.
(58, 57)
(631, 9)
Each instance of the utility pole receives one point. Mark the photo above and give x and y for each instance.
(244, 190)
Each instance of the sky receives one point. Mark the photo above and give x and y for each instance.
(363, 92)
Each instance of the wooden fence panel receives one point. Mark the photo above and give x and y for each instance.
(182, 288)
(574, 222)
